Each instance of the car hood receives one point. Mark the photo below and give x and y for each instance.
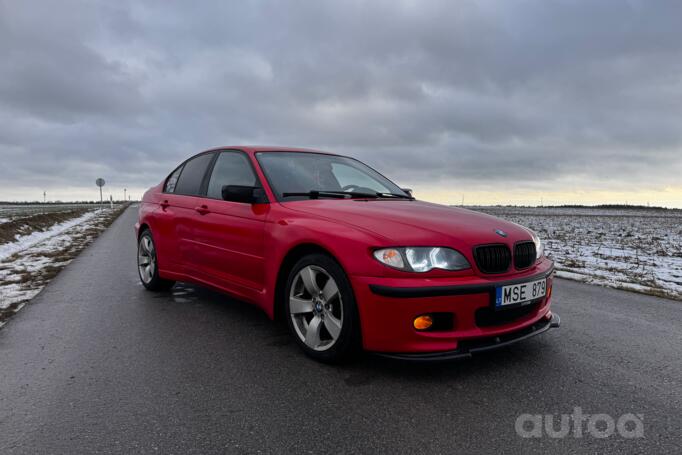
(404, 222)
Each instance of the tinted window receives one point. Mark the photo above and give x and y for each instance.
(172, 181)
(193, 174)
(231, 168)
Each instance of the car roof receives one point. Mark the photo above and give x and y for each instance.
(266, 148)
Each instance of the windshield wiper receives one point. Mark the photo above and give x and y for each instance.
(396, 196)
(316, 194)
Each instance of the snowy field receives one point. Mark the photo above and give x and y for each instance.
(37, 242)
(9, 212)
(638, 250)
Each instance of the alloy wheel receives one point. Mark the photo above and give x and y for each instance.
(315, 308)
(146, 259)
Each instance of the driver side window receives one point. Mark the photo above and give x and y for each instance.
(231, 168)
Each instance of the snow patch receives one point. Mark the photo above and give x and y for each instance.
(26, 241)
(28, 264)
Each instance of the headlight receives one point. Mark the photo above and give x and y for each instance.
(539, 246)
(422, 259)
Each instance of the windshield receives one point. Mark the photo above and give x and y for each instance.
(302, 173)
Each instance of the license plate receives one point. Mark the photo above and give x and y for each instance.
(520, 293)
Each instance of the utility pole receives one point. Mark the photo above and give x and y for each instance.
(124, 194)
(44, 197)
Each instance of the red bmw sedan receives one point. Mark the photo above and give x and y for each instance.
(345, 256)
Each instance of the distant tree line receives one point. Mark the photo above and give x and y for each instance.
(579, 206)
(614, 207)
(106, 201)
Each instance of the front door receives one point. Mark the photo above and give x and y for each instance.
(229, 235)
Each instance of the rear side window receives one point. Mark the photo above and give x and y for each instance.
(192, 175)
(231, 168)
(172, 181)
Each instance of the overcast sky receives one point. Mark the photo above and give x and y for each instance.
(499, 101)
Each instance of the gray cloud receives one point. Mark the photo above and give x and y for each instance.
(526, 93)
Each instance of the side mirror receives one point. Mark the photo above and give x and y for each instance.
(244, 194)
(408, 191)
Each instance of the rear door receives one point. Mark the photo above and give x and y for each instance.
(230, 234)
(186, 204)
(164, 230)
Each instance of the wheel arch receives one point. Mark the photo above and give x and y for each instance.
(293, 256)
(143, 227)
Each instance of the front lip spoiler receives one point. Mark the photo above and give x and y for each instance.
(436, 291)
(469, 347)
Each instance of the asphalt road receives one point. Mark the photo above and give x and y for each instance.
(96, 364)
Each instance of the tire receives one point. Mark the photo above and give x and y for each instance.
(320, 309)
(147, 268)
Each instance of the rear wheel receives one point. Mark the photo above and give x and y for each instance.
(320, 309)
(147, 266)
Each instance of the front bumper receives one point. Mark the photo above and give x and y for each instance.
(388, 306)
(467, 348)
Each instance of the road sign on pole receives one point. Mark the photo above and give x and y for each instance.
(100, 183)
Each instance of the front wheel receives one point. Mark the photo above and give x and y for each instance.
(320, 309)
(147, 265)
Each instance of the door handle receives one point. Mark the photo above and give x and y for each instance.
(164, 205)
(202, 209)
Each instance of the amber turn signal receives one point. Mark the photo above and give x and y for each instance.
(423, 322)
